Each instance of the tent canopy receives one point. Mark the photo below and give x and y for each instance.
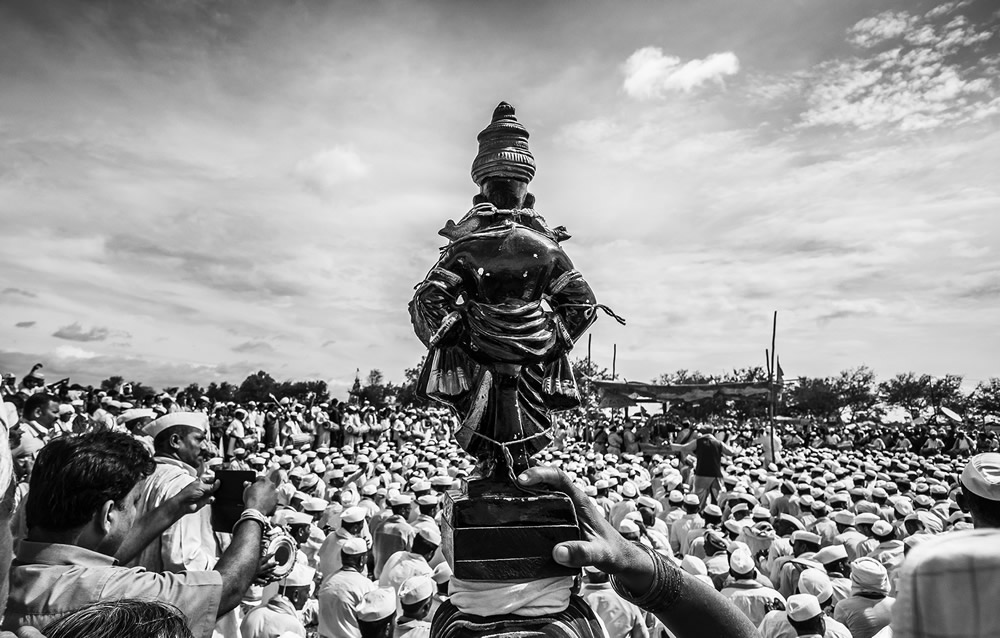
(617, 394)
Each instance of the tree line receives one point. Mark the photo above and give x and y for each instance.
(856, 390)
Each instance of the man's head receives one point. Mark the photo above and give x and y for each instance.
(376, 613)
(354, 553)
(123, 618)
(805, 615)
(416, 595)
(180, 435)
(980, 493)
(352, 520)
(41, 408)
(803, 542)
(86, 488)
(426, 542)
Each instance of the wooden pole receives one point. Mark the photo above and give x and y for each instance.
(770, 382)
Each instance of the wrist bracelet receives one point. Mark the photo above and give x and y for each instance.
(251, 514)
(664, 590)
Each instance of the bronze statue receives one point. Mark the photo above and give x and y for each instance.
(500, 311)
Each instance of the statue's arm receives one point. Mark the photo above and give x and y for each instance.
(432, 309)
(572, 298)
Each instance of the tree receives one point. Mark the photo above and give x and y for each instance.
(856, 388)
(946, 391)
(140, 392)
(406, 394)
(256, 387)
(375, 391)
(814, 397)
(906, 389)
(985, 398)
(112, 384)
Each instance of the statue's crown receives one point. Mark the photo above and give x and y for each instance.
(503, 149)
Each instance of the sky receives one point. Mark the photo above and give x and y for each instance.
(193, 190)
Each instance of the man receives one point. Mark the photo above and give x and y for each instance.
(749, 596)
(949, 586)
(622, 619)
(804, 548)
(406, 564)
(377, 614)
(869, 607)
(39, 414)
(415, 600)
(834, 560)
(277, 617)
(179, 442)
(814, 582)
(352, 523)
(394, 534)
(343, 591)
(690, 520)
(806, 617)
(848, 535)
(82, 522)
(708, 451)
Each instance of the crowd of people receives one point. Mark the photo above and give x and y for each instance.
(698, 529)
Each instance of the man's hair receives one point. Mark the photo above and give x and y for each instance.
(422, 546)
(160, 443)
(807, 627)
(125, 618)
(378, 628)
(417, 610)
(36, 401)
(983, 509)
(75, 475)
(356, 561)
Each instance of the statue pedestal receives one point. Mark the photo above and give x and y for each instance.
(493, 531)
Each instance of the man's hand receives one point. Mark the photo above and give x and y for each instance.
(195, 496)
(261, 496)
(602, 546)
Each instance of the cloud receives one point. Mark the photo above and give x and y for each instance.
(74, 332)
(930, 75)
(18, 292)
(650, 74)
(255, 347)
(24, 324)
(327, 170)
(877, 29)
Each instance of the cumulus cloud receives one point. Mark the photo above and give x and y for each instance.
(878, 29)
(326, 170)
(650, 74)
(24, 324)
(930, 73)
(75, 332)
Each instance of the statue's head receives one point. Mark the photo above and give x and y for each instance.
(504, 166)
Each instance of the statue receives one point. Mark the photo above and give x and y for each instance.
(499, 313)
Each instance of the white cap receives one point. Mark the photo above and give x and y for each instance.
(315, 504)
(400, 499)
(801, 607)
(416, 589)
(430, 534)
(133, 414)
(981, 476)
(299, 576)
(815, 582)
(694, 565)
(808, 537)
(427, 499)
(442, 573)
(198, 420)
(741, 562)
(628, 526)
(298, 518)
(353, 515)
(691, 499)
(830, 554)
(378, 604)
(354, 546)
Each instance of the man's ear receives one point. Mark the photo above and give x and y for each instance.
(103, 517)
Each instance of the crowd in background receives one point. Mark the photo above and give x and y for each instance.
(806, 528)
